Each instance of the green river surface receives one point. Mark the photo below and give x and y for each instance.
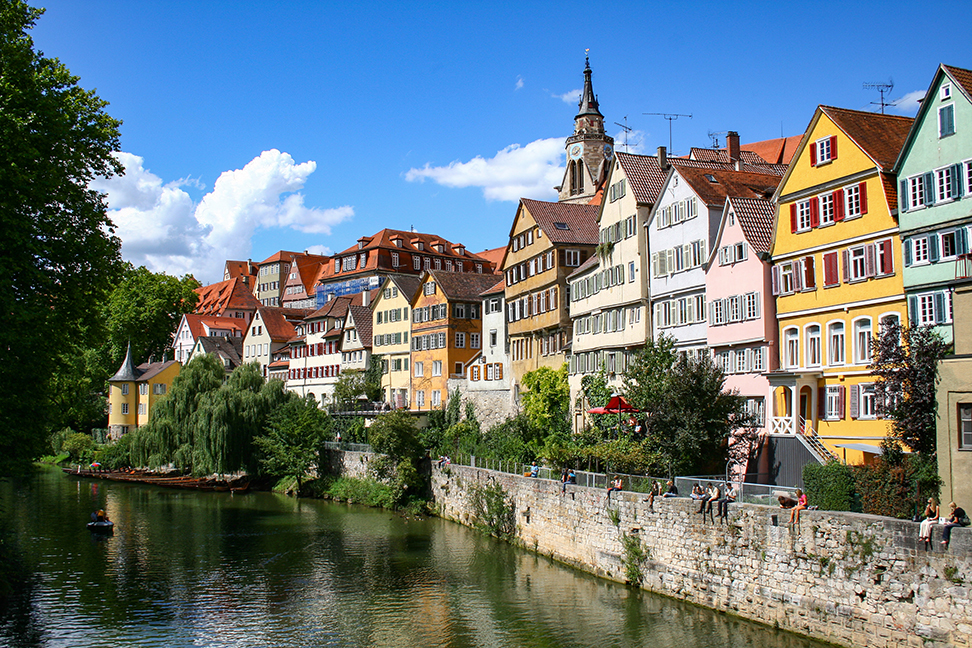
(187, 568)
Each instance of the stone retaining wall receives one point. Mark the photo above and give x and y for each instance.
(856, 580)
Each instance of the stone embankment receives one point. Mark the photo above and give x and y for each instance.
(852, 579)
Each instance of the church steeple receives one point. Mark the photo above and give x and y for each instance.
(589, 149)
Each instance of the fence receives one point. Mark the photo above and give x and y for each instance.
(745, 491)
(348, 447)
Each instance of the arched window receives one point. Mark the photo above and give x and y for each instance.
(813, 345)
(791, 348)
(836, 343)
(862, 340)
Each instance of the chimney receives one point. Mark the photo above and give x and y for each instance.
(732, 145)
(662, 158)
(366, 297)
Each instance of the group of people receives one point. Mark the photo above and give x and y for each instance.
(722, 497)
(932, 516)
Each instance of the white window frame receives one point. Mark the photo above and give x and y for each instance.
(916, 191)
(862, 345)
(791, 347)
(824, 152)
(418, 369)
(832, 403)
(803, 215)
(836, 343)
(919, 250)
(867, 401)
(826, 208)
(814, 346)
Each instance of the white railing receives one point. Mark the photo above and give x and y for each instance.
(781, 425)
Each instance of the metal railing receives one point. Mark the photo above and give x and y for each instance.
(745, 491)
(349, 447)
(812, 442)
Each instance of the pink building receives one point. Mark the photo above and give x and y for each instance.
(742, 331)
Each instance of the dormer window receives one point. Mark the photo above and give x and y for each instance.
(711, 178)
(397, 242)
(561, 226)
(439, 248)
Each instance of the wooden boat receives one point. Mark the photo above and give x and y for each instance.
(239, 485)
(102, 526)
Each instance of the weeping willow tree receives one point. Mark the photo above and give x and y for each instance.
(207, 424)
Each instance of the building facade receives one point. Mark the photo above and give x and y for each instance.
(391, 325)
(133, 392)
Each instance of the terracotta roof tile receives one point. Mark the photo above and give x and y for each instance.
(362, 324)
(713, 186)
(462, 285)
(645, 176)
(565, 222)
(232, 294)
(198, 324)
(584, 267)
(498, 288)
(282, 255)
(962, 76)
(756, 220)
(279, 322)
(149, 370)
(890, 189)
(880, 136)
(496, 256)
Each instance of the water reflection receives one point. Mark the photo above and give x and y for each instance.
(214, 569)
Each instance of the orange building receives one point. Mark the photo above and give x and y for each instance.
(447, 332)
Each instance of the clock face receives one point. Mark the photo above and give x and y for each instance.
(608, 151)
(575, 151)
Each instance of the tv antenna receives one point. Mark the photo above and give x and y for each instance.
(670, 117)
(882, 88)
(714, 136)
(627, 129)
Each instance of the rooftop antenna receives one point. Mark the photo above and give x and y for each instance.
(670, 117)
(627, 129)
(714, 136)
(882, 88)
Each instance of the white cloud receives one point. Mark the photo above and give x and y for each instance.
(908, 104)
(636, 141)
(162, 228)
(519, 82)
(515, 172)
(571, 97)
(320, 249)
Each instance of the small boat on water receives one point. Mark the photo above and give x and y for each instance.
(102, 526)
(233, 485)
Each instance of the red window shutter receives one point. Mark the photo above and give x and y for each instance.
(887, 263)
(845, 257)
(813, 154)
(793, 218)
(833, 147)
(870, 256)
(814, 212)
(830, 269)
(843, 401)
(839, 205)
(810, 280)
(863, 187)
(821, 402)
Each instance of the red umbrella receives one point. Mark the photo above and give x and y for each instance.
(619, 405)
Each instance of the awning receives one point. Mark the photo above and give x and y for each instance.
(862, 447)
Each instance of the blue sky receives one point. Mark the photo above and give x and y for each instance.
(252, 127)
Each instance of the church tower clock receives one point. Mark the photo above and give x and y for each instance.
(589, 149)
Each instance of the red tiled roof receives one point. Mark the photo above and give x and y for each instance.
(232, 294)
(962, 76)
(584, 267)
(282, 255)
(728, 183)
(645, 176)
(890, 189)
(565, 222)
(496, 256)
(775, 151)
(755, 217)
(879, 136)
(462, 285)
(279, 322)
(498, 288)
(199, 323)
(362, 323)
(240, 269)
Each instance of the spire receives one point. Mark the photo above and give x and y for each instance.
(588, 100)
(126, 373)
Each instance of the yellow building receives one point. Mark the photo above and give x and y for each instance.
(133, 391)
(836, 276)
(391, 323)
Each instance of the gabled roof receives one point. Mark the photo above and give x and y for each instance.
(408, 285)
(337, 307)
(497, 256)
(199, 324)
(564, 222)
(149, 370)
(308, 268)
(755, 216)
(462, 285)
(282, 255)
(497, 289)
(145, 371)
(232, 294)
(362, 323)
(879, 136)
(225, 348)
(645, 176)
(777, 151)
(279, 322)
(240, 269)
(713, 186)
(962, 78)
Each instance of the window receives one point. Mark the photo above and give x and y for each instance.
(420, 398)
(836, 343)
(572, 258)
(931, 308)
(824, 150)
(124, 408)
(834, 403)
(492, 338)
(947, 247)
(739, 362)
(631, 271)
(791, 348)
(862, 341)
(919, 250)
(857, 264)
(945, 183)
(124, 389)
(436, 367)
(867, 401)
(474, 340)
(803, 211)
(158, 388)
(416, 263)
(813, 345)
(965, 425)
(460, 342)
(946, 120)
(458, 368)
(757, 359)
(916, 191)
(143, 389)
(786, 278)
(419, 369)
(436, 398)
(945, 92)
(826, 209)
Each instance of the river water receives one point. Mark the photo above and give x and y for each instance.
(191, 568)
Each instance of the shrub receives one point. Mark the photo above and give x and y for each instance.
(829, 486)
(493, 510)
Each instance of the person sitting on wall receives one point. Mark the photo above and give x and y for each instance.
(800, 506)
(563, 481)
(615, 485)
(957, 518)
(652, 494)
(713, 495)
(931, 515)
(671, 490)
(723, 504)
(571, 477)
(534, 470)
(697, 492)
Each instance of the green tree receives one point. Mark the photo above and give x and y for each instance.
(348, 389)
(905, 360)
(144, 310)
(596, 393)
(395, 435)
(292, 438)
(647, 379)
(547, 403)
(60, 255)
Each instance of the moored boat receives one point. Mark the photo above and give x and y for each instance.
(101, 526)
